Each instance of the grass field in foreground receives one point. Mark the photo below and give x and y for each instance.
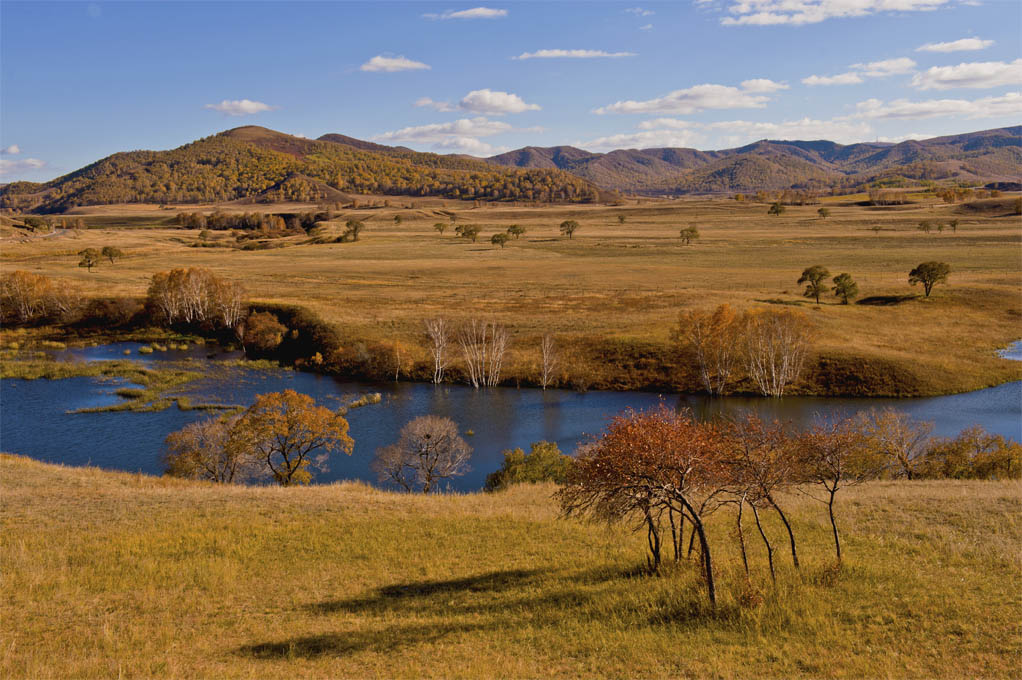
(612, 294)
(119, 575)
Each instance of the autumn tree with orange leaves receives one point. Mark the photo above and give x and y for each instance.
(291, 436)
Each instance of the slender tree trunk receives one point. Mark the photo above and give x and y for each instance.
(741, 536)
(691, 542)
(653, 537)
(833, 524)
(766, 541)
(791, 534)
(697, 524)
(674, 532)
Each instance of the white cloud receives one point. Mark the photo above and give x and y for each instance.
(988, 107)
(572, 54)
(874, 69)
(426, 102)
(647, 27)
(240, 107)
(461, 136)
(486, 101)
(752, 95)
(12, 149)
(474, 13)
(840, 79)
(392, 64)
(651, 139)
(661, 132)
(640, 12)
(494, 102)
(887, 67)
(800, 12)
(913, 136)
(9, 167)
(979, 74)
(963, 45)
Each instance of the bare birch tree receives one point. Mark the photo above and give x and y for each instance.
(713, 338)
(483, 345)
(549, 360)
(438, 331)
(428, 450)
(776, 346)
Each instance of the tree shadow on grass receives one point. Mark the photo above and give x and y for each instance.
(885, 300)
(348, 643)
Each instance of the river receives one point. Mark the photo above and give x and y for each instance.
(35, 418)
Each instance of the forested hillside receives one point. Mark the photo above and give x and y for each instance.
(263, 165)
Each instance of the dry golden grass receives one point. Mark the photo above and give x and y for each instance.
(612, 281)
(119, 575)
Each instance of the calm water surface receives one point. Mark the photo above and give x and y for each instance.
(35, 419)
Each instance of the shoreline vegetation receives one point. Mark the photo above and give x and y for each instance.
(309, 339)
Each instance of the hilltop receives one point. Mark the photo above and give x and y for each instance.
(254, 163)
(771, 165)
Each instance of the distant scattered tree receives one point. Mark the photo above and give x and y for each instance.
(111, 253)
(397, 219)
(469, 231)
(543, 463)
(90, 258)
(516, 231)
(204, 235)
(689, 234)
(292, 436)
(824, 213)
(925, 226)
(845, 288)
(814, 277)
(776, 209)
(352, 229)
(212, 449)
(953, 225)
(428, 450)
(876, 228)
(621, 219)
(929, 274)
(568, 228)
(440, 227)
(500, 239)
(453, 218)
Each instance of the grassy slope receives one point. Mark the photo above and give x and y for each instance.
(623, 283)
(112, 574)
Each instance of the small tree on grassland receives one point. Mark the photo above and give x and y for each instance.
(543, 463)
(292, 436)
(569, 227)
(776, 208)
(111, 253)
(469, 231)
(428, 450)
(845, 288)
(352, 229)
(500, 239)
(824, 213)
(814, 277)
(929, 274)
(689, 234)
(516, 231)
(90, 258)
(440, 227)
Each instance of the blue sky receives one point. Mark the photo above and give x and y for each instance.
(82, 80)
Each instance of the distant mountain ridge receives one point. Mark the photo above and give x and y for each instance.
(989, 155)
(255, 164)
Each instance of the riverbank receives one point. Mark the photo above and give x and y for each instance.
(114, 573)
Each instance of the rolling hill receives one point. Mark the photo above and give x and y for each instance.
(990, 155)
(255, 164)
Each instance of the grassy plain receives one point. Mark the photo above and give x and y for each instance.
(615, 285)
(110, 574)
